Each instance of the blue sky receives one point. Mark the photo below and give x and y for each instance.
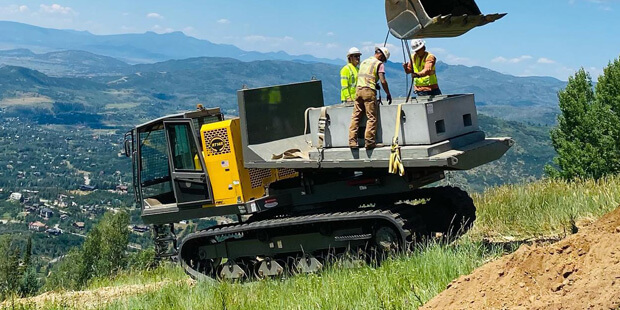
(544, 37)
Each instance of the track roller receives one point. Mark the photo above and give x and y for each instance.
(269, 268)
(231, 271)
(308, 264)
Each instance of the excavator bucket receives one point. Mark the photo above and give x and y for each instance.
(409, 19)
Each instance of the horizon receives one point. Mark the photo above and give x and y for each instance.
(524, 43)
(189, 36)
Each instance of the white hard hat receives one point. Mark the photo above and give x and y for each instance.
(354, 51)
(383, 50)
(417, 44)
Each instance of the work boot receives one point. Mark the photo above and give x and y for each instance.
(373, 146)
(354, 146)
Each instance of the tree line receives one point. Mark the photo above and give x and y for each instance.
(104, 253)
(587, 137)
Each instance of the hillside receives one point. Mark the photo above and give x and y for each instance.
(411, 280)
(63, 63)
(214, 81)
(523, 163)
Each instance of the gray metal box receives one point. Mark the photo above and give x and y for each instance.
(425, 120)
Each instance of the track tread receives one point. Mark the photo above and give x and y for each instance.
(407, 219)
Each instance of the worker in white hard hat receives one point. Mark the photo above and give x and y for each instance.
(423, 70)
(371, 71)
(348, 76)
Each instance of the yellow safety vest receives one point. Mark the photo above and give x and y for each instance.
(348, 82)
(367, 75)
(419, 66)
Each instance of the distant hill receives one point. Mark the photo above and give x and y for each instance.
(133, 48)
(179, 84)
(523, 163)
(524, 99)
(82, 54)
(64, 63)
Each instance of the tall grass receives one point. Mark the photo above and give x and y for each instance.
(402, 283)
(166, 272)
(544, 208)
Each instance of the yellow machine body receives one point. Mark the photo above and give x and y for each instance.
(230, 181)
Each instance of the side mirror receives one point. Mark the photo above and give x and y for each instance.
(128, 143)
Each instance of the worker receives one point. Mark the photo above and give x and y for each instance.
(371, 71)
(348, 76)
(423, 70)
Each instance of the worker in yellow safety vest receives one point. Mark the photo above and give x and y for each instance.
(423, 70)
(371, 71)
(348, 76)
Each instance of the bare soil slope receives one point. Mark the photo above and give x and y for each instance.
(579, 272)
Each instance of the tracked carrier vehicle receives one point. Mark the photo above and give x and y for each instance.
(299, 194)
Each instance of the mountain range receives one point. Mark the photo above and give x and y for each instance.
(199, 70)
(131, 48)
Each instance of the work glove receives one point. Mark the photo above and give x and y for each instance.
(389, 99)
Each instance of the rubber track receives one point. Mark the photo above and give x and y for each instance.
(403, 217)
(375, 214)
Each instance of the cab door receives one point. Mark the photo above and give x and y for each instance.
(187, 169)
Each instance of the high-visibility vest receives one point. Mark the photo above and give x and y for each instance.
(367, 75)
(419, 66)
(348, 82)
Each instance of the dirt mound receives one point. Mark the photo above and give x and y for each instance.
(579, 272)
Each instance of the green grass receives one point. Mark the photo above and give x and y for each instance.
(167, 272)
(544, 208)
(401, 283)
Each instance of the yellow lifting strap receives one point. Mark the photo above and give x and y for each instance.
(396, 165)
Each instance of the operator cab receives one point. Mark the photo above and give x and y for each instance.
(168, 172)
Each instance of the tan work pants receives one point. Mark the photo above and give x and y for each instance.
(366, 101)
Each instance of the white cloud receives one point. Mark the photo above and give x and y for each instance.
(313, 44)
(520, 59)
(444, 55)
(516, 60)
(160, 29)
(544, 60)
(57, 9)
(368, 48)
(14, 9)
(154, 15)
(438, 50)
(330, 34)
(223, 21)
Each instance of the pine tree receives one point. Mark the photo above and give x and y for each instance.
(9, 268)
(28, 254)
